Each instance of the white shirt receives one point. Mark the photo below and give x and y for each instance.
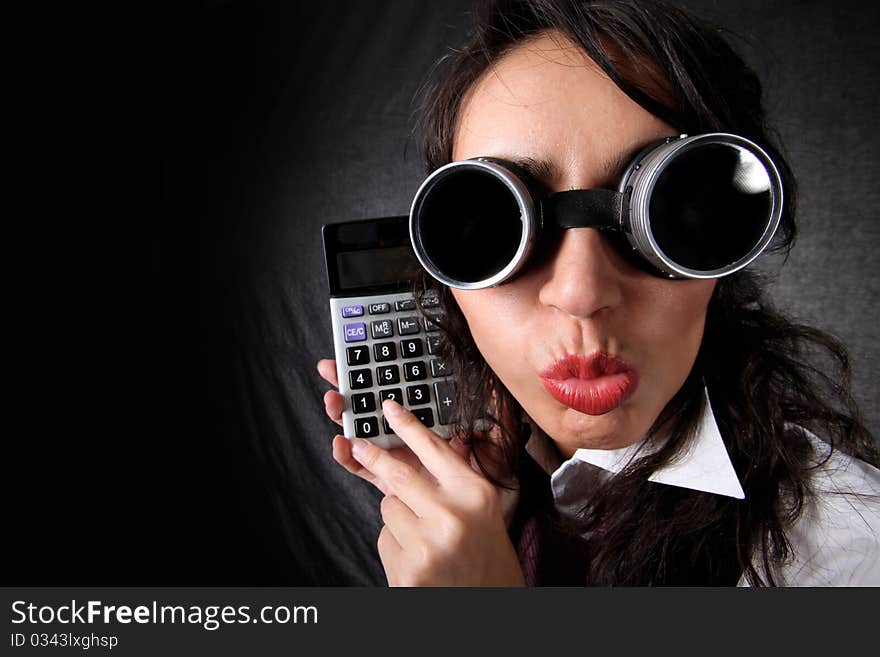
(835, 540)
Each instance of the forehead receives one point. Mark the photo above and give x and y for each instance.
(546, 99)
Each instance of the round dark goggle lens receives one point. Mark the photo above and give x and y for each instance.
(469, 225)
(710, 206)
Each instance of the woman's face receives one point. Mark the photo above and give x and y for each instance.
(592, 347)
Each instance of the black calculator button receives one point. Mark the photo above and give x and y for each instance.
(357, 355)
(393, 394)
(434, 344)
(387, 375)
(366, 427)
(385, 351)
(379, 308)
(408, 325)
(405, 304)
(430, 327)
(430, 300)
(416, 395)
(364, 402)
(415, 371)
(360, 379)
(384, 328)
(425, 416)
(386, 426)
(411, 348)
(440, 367)
(444, 393)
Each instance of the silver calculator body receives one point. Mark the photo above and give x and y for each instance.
(384, 347)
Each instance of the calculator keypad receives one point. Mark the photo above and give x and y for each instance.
(393, 344)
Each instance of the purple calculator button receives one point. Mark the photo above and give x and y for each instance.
(352, 311)
(355, 332)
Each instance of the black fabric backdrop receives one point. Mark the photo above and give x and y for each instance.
(183, 439)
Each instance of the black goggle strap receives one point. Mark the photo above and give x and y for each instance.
(583, 208)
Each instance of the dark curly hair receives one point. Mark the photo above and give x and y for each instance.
(768, 378)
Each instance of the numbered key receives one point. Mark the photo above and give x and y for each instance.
(357, 355)
(388, 375)
(366, 427)
(360, 379)
(384, 351)
(420, 394)
(364, 402)
(415, 371)
(411, 348)
(394, 394)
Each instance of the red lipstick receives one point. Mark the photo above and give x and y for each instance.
(594, 384)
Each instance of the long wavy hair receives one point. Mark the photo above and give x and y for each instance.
(768, 377)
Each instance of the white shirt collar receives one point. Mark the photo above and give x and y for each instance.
(705, 466)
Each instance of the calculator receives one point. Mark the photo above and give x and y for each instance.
(385, 348)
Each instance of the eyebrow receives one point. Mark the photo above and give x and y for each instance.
(540, 169)
(547, 171)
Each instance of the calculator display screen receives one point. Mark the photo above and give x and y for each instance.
(375, 267)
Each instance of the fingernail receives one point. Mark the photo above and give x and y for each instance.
(358, 448)
(391, 408)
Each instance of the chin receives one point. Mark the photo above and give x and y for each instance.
(608, 431)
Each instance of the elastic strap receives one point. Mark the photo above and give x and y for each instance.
(583, 208)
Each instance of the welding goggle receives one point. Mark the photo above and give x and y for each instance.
(699, 206)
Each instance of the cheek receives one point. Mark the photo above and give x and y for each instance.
(676, 321)
(493, 316)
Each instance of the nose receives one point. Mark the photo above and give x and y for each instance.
(582, 278)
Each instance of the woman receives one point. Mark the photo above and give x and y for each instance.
(571, 90)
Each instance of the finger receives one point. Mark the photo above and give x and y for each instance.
(327, 370)
(399, 478)
(342, 455)
(390, 554)
(334, 404)
(400, 520)
(434, 452)
(460, 447)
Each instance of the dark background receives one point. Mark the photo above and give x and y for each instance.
(177, 163)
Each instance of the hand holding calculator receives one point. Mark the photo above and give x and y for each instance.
(385, 348)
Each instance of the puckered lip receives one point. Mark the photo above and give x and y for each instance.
(592, 366)
(593, 385)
